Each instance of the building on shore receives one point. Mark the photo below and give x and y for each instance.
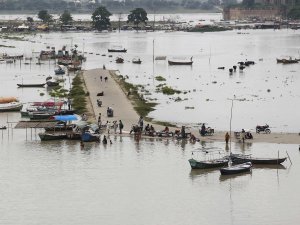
(245, 14)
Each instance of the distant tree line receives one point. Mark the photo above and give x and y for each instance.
(115, 6)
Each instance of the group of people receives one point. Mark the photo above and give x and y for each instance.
(115, 125)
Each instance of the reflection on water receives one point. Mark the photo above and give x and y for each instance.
(246, 175)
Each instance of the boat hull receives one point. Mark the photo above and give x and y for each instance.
(50, 137)
(30, 85)
(117, 50)
(88, 137)
(180, 63)
(241, 168)
(207, 164)
(11, 107)
(267, 161)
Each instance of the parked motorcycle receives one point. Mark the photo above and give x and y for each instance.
(264, 128)
(99, 102)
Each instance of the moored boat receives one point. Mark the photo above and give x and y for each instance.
(206, 164)
(240, 168)
(119, 60)
(31, 85)
(136, 61)
(117, 50)
(181, 62)
(89, 137)
(11, 106)
(50, 136)
(236, 158)
(52, 83)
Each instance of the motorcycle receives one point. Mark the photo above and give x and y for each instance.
(99, 102)
(264, 128)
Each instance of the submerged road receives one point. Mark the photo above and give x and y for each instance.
(123, 110)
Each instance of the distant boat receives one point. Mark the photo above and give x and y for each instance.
(117, 49)
(180, 62)
(119, 60)
(59, 71)
(11, 106)
(52, 83)
(31, 85)
(287, 61)
(136, 61)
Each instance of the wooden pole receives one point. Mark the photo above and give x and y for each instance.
(289, 157)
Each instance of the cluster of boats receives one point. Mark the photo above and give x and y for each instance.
(45, 110)
(234, 163)
(77, 131)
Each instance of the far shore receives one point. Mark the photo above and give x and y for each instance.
(114, 96)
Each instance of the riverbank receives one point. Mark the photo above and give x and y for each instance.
(115, 97)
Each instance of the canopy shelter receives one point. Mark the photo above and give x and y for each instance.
(65, 117)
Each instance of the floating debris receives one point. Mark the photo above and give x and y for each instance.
(189, 107)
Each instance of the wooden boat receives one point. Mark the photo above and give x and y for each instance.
(40, 115)
(206, 164)
(240, 168)
(9, 107)
(117, 50)
(59, 71)
(235, 158)
(31, 85)
(89, 137)
(73, 68)
(119, 60)
(136, 61)
(181, 62)
(52, 83)
(50, 136)
(287, 61)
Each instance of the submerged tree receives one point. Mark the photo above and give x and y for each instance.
(137, 16)
(100, 18)
(44, 16)
(66, 17)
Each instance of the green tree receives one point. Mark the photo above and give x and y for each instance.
(44, 16)
(66, 17)
(100, 18)
(294, 13)
(29, 19)
(137, 16)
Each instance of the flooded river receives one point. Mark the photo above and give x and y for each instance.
(151, 182)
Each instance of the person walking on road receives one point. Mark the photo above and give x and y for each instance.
(121, 126)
